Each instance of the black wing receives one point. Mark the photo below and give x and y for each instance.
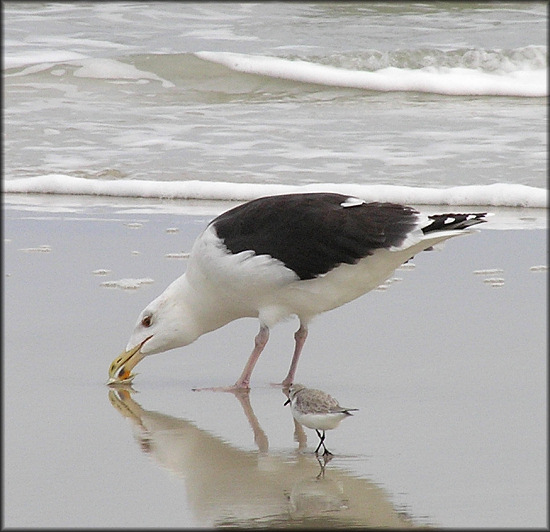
(313, 233)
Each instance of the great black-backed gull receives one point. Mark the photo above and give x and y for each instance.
(278, 256)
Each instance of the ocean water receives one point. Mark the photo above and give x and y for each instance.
(427, 103)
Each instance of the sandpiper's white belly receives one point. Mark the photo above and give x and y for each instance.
(326, 421)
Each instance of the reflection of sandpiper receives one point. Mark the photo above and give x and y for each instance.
(327, 457)
(316, 410)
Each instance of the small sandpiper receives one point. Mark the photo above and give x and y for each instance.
(316, 410)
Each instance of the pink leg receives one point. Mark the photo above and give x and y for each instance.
(300, 338)
(259, 343)
(243, 381)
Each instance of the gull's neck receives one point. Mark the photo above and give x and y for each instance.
(204, 308)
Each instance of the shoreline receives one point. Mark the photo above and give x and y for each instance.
(502, 217)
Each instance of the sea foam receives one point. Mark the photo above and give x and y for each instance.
(497, 194)
(455, 81)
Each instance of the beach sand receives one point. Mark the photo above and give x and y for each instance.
(447, 368)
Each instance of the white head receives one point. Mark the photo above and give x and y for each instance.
(165, 323)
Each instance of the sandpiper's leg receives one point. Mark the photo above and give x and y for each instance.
(326, 452)
(300, 339)
(321, 440)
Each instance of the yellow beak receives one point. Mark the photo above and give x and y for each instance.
(120, 371)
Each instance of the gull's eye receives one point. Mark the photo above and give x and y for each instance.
(146, 321)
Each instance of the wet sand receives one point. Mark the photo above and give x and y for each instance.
(448, 370)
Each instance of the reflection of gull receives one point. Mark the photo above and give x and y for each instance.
(316, 410)
(227, 486)
(312, 497)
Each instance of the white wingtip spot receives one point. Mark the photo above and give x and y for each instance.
(352, 202)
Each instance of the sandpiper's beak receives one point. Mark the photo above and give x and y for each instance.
(120, 371)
